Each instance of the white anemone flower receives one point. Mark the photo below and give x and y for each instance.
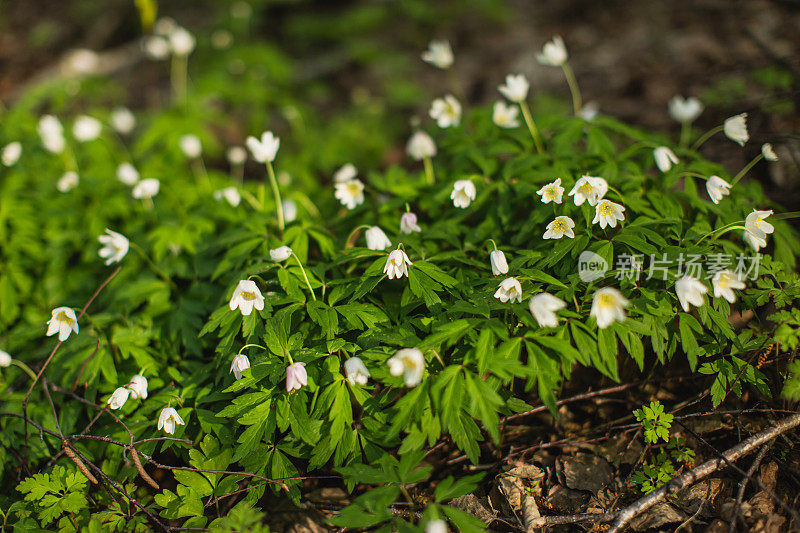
(543, 307)
(717, 188)
(562, 225)
(265, 149)
(509, 290)
(123, 120)
(246, 296)
(62, 321)
(554, 53)
(127, 174)
(420, 146)
(236, 156)
(665, 158)
(181, 41)
(289, 210)
(724, 282)
(115, 246)
(118, 398)
(68, 181)
(52, 134)
(463, 193)
(446, 111)
(355, 371)
(685, 110)
(408, 223)
(191, 146)
(608, 306)
(436, 526)
(439, 54)
(239, 364)
(169, 419)
(497, 260)
(607, 213)
(735, 129)
(11, 153)
(296, 376)
(282, 253)
(86, 128)
(505, 115)
(589, 188)
(756, 228)
(552, 192)
(156, 47)
(230, 195)
(515, 88)
(589, 111)
(690, 292)
(346, 172)
(768, 153)
(349, 193)
(146, 189)
(377, 239)
(138, 387)
(397, 264)
(5, 359)
(409, 363)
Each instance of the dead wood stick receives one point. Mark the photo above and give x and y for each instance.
(743, 486)
(704, 470)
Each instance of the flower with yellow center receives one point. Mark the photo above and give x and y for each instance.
(62, 321)
(607, 213)
(246, 296)
(552, 192)
(350, 193)
(562, 225)
(724, 282)
(446, 111)
(509, 290)
(410, 363)
(608, 306)
(589, 188)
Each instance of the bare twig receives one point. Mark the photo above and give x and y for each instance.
(743, 486)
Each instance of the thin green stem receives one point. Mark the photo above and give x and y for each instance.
(706, 136)
(178, 76)
(723, 229)
(303, 270)
(615, 191)
(685, 132)
(24, 367)
(428, 170)
(526, 113)
(153, 266)
(251, 200)
(493, 243)
(276, 193)
(352, 233)
(746, 169)
(250, 346)
(577, 103)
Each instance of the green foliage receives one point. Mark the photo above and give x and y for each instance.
(61, 494)
(655, 422)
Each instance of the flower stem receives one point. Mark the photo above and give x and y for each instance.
(250, 346)
(573, 88)
(277, 195)
(428, 169)
(746, 168)
(526, 113)
(685, 131)
(153, 266)
(615, 191)
(303, 270)
(178, 76)
(723, 229)
(707, 135)
(24, 367)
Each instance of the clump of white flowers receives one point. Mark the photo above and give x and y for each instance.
(439, 54)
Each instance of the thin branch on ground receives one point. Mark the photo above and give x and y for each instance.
(743, 486)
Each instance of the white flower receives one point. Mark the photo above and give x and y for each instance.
(236, 155)
(355, 371)
(346, 173)
(717, 188)
(123, 120)
(497, 260)
(246, 296)
(436, 526)
(408, 362)
(589, 111)
(5, 359)
(446, 111)
(504, 115)
(118, 398)
(756, 229)
(690, 292)
(68, 181)
(767, 151)
(724, 282)
(665, 158)
(607, 213)
(420, 146)
(377, 239)
(138, 387)
(735, 129)
(265, 149)
(296, 377)
(562, 225)
(289, 210)
(281, 253)
(127, 174)
(169, 419)
(685, 110)
(590, 189)
(63, 322)
(439, 54)
(509, 290)
(52, 134)
(156, 47)
(543, 307)
(408, 223)
(608, 306)
(86, 128)
(181, 41)
(554, 53)
(191, 146)
(463, 193)
(115, 246)
(164, 26)
(81, 61)
(350, 193)
(11, 153)
(230, 194)
(147, 188)
(397, 264)
(552, 192)
(515, 88)
(239, 364)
